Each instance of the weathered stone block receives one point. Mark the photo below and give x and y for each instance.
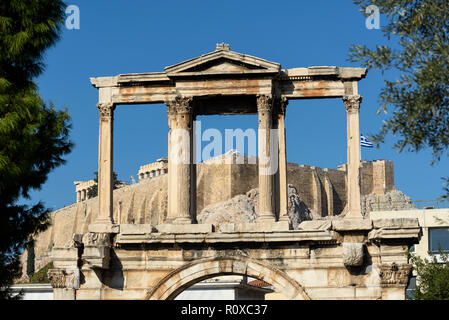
(331, 293)
(352, 224)
(104, 228)
(393, 293)
(111, 294)
(136, 228)
(395, 223)
(97, 249)
(135, 279)
(88, 294)
(353, 254)
(311, 278)
(339, 277)
(184, 228)
(315, 225)
(368, 293)
(63, 294)
(256, 227)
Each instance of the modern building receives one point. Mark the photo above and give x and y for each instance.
(435, 233)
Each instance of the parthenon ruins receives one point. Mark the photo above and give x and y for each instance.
(339, 254)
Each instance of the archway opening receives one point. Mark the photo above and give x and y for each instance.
(182, 278)
(230, 287)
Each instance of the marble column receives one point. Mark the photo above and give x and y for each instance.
(266, 176)
(180, 161)
(352, 104)
(105, 163)
(78, 196)
(283, 186)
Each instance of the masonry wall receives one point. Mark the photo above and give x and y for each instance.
(377, 177)
(146, 201)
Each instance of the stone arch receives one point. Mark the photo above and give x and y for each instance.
(182, 278)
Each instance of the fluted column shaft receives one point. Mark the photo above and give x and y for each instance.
(283, 186)
(105, 163)
(180, 161)
(266, 192)
(352, 104)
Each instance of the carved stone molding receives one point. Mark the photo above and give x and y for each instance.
(96, 239)
(60, 278)
(180, 105)
(352, 103)
(97, 249)
(394, 274)
(106, 110)
(264, 103)
(57, 278)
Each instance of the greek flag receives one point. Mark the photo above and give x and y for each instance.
(364, 142)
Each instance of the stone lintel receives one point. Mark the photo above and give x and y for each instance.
(185, 228)
(101, 82)
(315, 225)
(104, 228)
(396, 223)
(137, 228)
(262, 226)
(339, 72)
(391, 234)
(217, 237)
(352, 224)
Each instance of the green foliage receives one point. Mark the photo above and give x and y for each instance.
(27, 29)
(34, 137)
(419, 54)
(41, 276)
(432, 277)
(93, 191)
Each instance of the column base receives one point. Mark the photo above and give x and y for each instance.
(182, 221)
(354, 215)
(266, 217)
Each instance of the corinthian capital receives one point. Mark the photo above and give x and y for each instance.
(106, 110)
(394, 274)
(57, 278)
(180, 105)
(264, 102)
(352, 102)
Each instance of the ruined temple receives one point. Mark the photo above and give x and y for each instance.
(305, 230)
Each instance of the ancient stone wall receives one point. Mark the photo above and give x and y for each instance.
(218, 180)
(377, 177)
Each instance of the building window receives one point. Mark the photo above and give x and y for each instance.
(438, 237)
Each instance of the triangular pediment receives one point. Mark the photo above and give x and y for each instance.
(223, 61)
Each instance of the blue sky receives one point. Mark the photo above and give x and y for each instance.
(117, 37)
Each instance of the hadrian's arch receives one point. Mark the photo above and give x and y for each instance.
(180, 279)
(349, 256)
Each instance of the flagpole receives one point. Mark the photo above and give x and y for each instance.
(360, 146)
